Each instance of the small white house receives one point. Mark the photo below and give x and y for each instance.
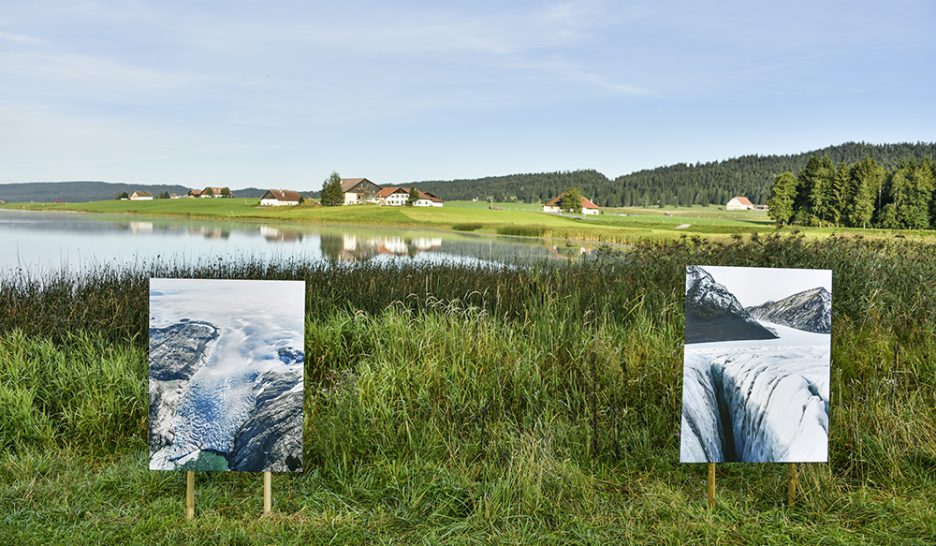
(141, 196)
(280, 198)
(553, 206)
(739, 202)
(397, 196)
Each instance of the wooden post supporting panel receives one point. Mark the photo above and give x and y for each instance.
(711, 485)
(190, 494)
(267, 493)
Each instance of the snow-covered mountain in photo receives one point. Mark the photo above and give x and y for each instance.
(226, 374)
(757, 399)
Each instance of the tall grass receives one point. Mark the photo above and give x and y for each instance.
(505, 404)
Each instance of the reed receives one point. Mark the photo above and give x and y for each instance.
(473, 404)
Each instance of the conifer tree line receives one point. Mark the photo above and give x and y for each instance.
(682, 184)
(860, 194)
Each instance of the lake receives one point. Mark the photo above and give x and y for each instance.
(41, 242)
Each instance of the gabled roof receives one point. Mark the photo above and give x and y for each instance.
(282, 195)
(429, 196)
(349, 183)
(586, 202)
(743, 200)
(387, 192)
(141, 193)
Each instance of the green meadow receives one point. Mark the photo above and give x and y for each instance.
(619, 225)
(476, 405)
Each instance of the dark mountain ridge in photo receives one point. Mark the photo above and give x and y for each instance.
(713, 313)
(809, 310)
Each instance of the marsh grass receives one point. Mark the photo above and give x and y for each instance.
(477, 405)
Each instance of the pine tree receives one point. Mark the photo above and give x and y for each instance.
(839, 202)
(865, 181)
(332, 196)
(782, 197)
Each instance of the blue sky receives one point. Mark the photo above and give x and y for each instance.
(279, 94)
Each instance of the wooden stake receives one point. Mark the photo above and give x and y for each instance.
(791, 493)
(190, 494)
(267, 493)
(711, 485)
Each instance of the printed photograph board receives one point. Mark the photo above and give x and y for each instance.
(756, 365)
(226, 375)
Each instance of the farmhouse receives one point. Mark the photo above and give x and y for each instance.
(216, 192)
(280, 198)
(141, 196)
(397, 196)
(553, 206)
(359, 190)
(739, 202)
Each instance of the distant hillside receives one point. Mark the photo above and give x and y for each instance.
(681, 184)
(73, 192)
(76, 192)
(533, 188)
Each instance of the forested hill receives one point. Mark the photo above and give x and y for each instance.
(533, 187)
(680, 184)
(78, 191)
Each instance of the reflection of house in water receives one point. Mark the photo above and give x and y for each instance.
(278, 235)
(210, 232)
(141, 227)
(349, 247)
(427, 243)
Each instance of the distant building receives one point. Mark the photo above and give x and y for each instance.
(280, 198)
(175, 196)
(194, 193)
(394, 196)
(359, 190)
(141, 196)
(397, 196)
(739, 202)
(553, 206)
(215, 192)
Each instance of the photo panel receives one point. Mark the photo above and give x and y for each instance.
(756, 365)
(226, 363)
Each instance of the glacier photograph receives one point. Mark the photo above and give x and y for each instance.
(756, 365)
(226, 363)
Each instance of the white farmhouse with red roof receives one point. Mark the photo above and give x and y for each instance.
(553, 206)
(739, 202)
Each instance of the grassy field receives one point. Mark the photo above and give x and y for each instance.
(477, 405)
(524, 219)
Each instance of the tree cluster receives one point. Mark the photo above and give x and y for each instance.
(682, 184)
(860, 194)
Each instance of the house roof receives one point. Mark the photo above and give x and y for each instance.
(142, 193)
(282, 195)
(586, 202)
(349, 183)
(387, 192)
(215, 190)
(196, 193)
(743, 200)
(429, 196)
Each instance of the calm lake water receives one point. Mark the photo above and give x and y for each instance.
(41, 242)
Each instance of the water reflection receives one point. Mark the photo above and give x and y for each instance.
(74, 241)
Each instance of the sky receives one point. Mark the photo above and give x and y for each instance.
(758, 285)
(280, 94)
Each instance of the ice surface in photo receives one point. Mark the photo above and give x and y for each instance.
(226, 374)
(756, 365)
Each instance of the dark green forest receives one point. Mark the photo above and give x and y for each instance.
(714, 182)
(859, 194)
